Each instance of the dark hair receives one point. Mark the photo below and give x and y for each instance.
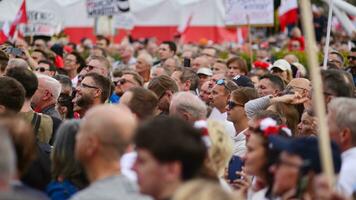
(101, 37)
(4, 59)
(159, 85)
(64, 163)
(26, 77)
(290, 113)
(12, 94)
(189, 74)
(268, 113)
(172, 45)
(45, 55)
(243, 95)
(52, 68)
(143, 102)
(337, 83)
(182, 143)
(276, 81)
(353, 49)
(240, 62)
(63, 79)
(79, 60)
(102, 83)
(135, 76)
(103, 52)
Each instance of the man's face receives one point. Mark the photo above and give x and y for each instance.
(265, 88)
(164, 52)
(334, 58)
(235, 113)
(203, 78)
(96, 66)
(176, 77)
(70, 63)
(126, 82)
(149, 171)
(101, 44)
(87, 91)
(352, 59)
(233, 70)
(286, 173)
(209, 54)
(255, 157)
(37, 56)
(205, 92)
(170, 64)
(307, 125)
(43, 68)
(200, 62)
(219, 68)
(41, 94)
(219, 97)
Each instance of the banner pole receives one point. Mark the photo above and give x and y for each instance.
(318, 97)
(249, 40)
(327, 42)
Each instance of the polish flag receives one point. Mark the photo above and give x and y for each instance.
(288, 13)
(21, 17)
(182, 28)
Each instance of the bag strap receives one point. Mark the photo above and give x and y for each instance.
(36, 122)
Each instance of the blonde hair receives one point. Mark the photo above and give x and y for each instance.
(221, 149)
(201, 189)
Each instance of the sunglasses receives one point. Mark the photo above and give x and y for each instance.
(121, 81)
(83, 85)
(89, 67)
(229, 85)
(231, 105)
(41, 69)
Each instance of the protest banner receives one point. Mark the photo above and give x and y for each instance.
(259, 12)
(41, 22)
(96, 8)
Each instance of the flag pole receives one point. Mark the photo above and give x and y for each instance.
(327, 42)
(249, 39)
(318, 97)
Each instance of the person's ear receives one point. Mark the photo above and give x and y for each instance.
(186, 116)
(2, 109)
(346, 137)
(173, 171)
(187, 85)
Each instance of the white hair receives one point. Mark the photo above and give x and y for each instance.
(17, 62)
(188, 102)
(147, 58)
(51, 84)
(344, 110)
(8, 157)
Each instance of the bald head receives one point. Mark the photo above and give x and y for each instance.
(107, 130)
(300, 83)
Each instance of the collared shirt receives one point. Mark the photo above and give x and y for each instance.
(347, 177)
(229, 126)
(240, 144)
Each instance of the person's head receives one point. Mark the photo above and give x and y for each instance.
(171, 64)
(126, 51)
(336, 58)
(40, 44)
(99, 65)
(141, 101)
(299, 161)
(296, 32)
(95, 147)
(97, 51)
(295, 45)
(214, 78)
(343, 88)
(73, 62)
(164, 87)
(204, 75)
(188, 107)
(308, 124)
(289, 114)
(238, 99)
(301, 86)
(17, 62)
(282, 69)
(236, 66)
(200, 62)
(23, 139)
(291, 58)
(263, 54)
(220, 94)
(7, 161)
(171, 158)
(27, 79)
(201, 189)
(342, 122)
(47, 92)
(144, 63)
(12, 95)
(186, 79)
(93, 90)
(352, 57)
(64, 164)
(159, 71)
(270, 85)
(210, 53)
(254, 122)
(204, 92)
(167, 49)
(219, 67)
(38, 55)
(46, 67)
(102, 41)
(4, 59)
(129, 79)
(66, 84)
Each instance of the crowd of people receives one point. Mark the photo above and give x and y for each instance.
(146, 120)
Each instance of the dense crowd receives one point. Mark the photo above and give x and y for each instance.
(146, 120)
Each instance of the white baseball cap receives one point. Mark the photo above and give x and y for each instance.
(205, 71)
(282, 65)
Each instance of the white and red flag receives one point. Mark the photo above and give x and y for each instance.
(9, 31)
(288, 13)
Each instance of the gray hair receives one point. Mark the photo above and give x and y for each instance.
(52, 84)
(344, 110)
(8, 157)
(17, 62)
(190, 103)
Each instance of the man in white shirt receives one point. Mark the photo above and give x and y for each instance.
(342, 130)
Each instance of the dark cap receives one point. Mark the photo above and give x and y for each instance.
(243, 81)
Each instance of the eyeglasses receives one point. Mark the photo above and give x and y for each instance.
(90, 67)
(121, 81)
(83, 85)
(229, 85)
(231, 105)
(41, 69)
(69, 60)
(351, 57)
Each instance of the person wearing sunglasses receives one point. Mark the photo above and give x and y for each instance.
(99, 65)
(93, 90)
(236, 114)
(128, 80)
(73, 63)
(352, 63)
(45, 67)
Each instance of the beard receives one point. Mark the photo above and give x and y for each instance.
(83, 102)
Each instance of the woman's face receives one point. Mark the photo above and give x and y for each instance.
(255, 157)
(235, 110)
(233, 70)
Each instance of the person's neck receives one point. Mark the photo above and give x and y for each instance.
(145, 75)
(168, 190)
(241, 125)
(221, 110)
(44, 105)
(26, 107)
(72, 74)
(99, 169)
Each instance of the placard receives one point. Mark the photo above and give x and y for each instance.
(96, 8)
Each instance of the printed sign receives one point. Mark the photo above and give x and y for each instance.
(96, 8)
